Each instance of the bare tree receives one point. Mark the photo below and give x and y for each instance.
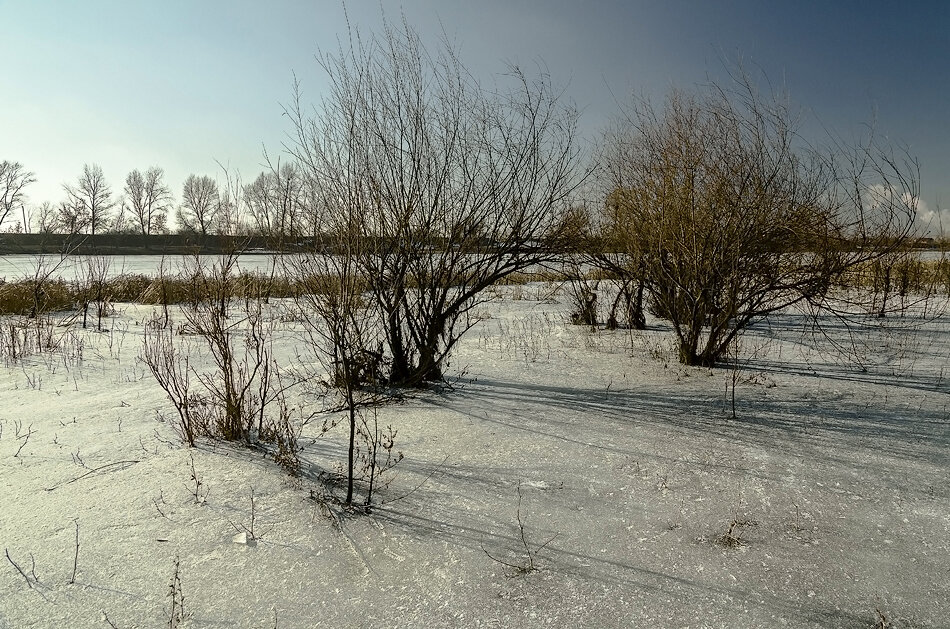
(123, 221)
(92, 281)
(14, 177)
(169, 360)
(341, 331)
(91, 199)
(241, 383)
(454, 185)
(44, 217)
(717, 207)
(274, 202)
(229, 216)
(200, 203)
(149, 199)
(71, 217)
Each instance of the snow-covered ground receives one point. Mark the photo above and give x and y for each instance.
(834, 477)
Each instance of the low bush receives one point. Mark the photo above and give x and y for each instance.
(33, 297)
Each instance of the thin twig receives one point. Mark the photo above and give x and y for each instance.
(519, 569)
(72, 579)
(26, 440)
(526, 567)
(18, 568)
(109, 622)
(115, 464)
(417, 487)
(176, 598)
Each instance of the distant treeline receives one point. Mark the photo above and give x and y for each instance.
(133, 244)
(212, 244)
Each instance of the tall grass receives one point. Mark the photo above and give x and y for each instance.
(32, 297)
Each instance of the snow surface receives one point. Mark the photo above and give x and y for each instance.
(836, 467)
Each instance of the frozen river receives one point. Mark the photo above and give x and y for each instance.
(20, 266)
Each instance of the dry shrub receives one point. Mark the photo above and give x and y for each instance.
(127, 288)
(166, 291)
(34, 297)
(21, 338)
(233, 398)
(527, 277)
(726, 218)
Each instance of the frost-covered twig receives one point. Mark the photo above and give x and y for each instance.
(196, 492)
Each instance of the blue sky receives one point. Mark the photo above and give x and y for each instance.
(185, 84)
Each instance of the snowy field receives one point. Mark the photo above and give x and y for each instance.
(825, 502)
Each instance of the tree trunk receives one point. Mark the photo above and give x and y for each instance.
(885, 292)
(638, 319)
(352, 446)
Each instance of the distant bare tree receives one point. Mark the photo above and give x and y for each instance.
(123, 222)
(200, 202)
(91, 199)
(44, 218)
(274, 201)
(149, 199)
(71, 217)
(92, 280)
(228, 218)
(13, 179)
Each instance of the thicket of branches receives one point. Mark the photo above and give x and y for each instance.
(234, 398)
(345, 350)
(448, 186)
(719, 211)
